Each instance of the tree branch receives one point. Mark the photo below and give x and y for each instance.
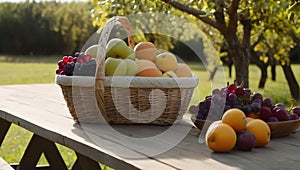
(233, 16)
(197, 13)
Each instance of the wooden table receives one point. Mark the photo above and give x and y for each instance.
(41, 109)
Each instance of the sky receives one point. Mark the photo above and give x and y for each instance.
(41, 0)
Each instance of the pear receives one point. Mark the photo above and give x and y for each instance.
(132, 67)
(118, 48)
(92, 50)
(115, 67)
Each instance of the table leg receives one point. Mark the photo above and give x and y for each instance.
(35, 148)
(4, 129)
(85, 163)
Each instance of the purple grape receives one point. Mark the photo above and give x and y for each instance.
(293, 116)
(267, 102)
(232, 98)
(194, 109)
(227, 107)
(255, 107)
(257, 96)
(216, 91)
(246, 109)
(247, 93)
(239, 91)
(257, 101)
(272, 119)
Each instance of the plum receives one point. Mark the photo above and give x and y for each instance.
(265, 113)
(281, 114)
(296, 110)
(279, 106)
(245, 141)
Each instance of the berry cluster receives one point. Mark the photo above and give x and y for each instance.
(80, 65)
(252, 104)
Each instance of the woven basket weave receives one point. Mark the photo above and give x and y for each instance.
(125, 99)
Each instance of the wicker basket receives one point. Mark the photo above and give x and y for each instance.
(125, 99)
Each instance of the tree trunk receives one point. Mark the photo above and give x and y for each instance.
(293, 84)
(263, 78)
(273, 71)
(262, 66)
(240, 59)
(230, 70)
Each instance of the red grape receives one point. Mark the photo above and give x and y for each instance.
(65, 59)
(59, 71)
(60, 64)
(70, 59)
(87, 57)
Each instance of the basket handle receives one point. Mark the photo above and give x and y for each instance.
(101, 54)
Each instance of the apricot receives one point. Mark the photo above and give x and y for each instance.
(145, 64)
(145, 50)
(183, 70)
(150, 72)
(166, 61)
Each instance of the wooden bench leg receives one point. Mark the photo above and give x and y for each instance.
(4, 129)
(85, 163)
(35, 148)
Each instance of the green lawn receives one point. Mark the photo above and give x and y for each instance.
(26, 70)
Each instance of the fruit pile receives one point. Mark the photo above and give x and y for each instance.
(254, 105)
(144, 60)
(235, 130)
(79, 64)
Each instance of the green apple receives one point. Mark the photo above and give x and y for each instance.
(92, 50)
(115, 67)
(132, 67)
(118, 48)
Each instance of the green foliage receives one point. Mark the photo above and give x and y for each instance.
(44, 27)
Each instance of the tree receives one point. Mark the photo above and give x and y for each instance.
(240, 23)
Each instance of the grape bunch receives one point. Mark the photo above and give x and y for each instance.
(254, 105)
(79, 64)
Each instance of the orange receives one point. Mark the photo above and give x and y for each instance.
(253, 115)
(150, 72)
(248, 119)
(261, 131)
(220, 137)
(235, 118)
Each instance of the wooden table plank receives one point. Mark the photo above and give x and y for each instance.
(26, 104)
(58, 126)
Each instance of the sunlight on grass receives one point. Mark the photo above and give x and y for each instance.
(26, 73)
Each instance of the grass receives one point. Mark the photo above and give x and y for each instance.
(32, 69)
